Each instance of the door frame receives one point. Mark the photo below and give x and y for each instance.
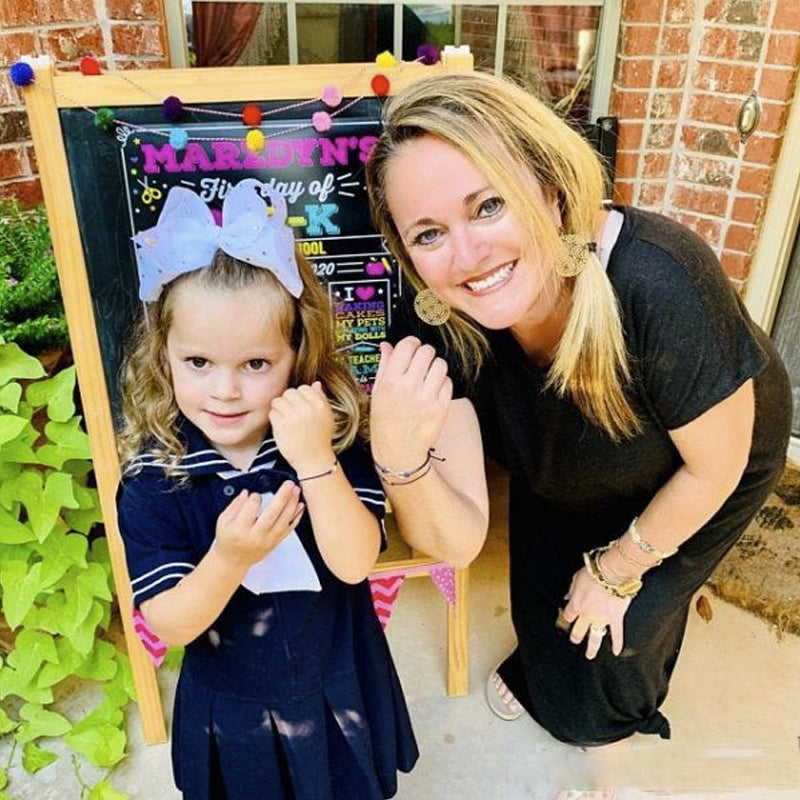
(779, 229)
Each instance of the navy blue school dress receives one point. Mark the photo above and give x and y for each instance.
(289, 694)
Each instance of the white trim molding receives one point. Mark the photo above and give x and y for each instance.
(778, 228)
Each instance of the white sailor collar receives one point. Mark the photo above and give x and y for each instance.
(202, 459)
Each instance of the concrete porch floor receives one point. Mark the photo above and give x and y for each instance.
(734, 708)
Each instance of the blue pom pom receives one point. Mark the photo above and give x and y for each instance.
(178, 138)
(21, 73)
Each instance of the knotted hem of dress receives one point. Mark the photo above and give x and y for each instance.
(512, 676)
(320, 747)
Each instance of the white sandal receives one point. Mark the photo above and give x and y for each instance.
(500, 699)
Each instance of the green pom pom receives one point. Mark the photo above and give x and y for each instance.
(104, 119)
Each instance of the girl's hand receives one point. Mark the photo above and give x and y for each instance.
(303, 425)
(409, 403)
(589, 605)
(243, 536)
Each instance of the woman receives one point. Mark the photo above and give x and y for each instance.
(609, 366)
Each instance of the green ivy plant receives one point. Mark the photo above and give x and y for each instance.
(55, 578)
(31, 313)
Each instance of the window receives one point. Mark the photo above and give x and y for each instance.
(562, 52)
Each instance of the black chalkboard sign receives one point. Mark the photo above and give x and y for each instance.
(121, 179)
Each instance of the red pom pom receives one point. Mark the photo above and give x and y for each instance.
(251, 116)
(90, 66)
(380, 85)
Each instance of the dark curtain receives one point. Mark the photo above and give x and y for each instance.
(221, 31)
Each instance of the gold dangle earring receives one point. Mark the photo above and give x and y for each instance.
(575, 255)
(430, 309)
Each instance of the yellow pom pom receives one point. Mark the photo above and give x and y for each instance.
(254, 140)
(385, 59)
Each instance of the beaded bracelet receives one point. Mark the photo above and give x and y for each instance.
(644, 545)
(321, 474)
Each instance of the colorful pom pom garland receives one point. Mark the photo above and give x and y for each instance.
(251, 114)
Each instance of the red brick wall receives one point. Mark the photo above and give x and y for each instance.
(684, 67)
(121, 34)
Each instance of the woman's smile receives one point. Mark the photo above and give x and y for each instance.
(491, 280)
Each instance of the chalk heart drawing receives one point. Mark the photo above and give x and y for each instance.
(365, 292)
(374, 268)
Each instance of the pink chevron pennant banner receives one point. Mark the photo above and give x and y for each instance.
(156, 649)
(444, 576)
(384, 594)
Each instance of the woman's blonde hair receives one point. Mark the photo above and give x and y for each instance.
(148, 401)
(517, 142)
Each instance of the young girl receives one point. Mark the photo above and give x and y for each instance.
(251, 515)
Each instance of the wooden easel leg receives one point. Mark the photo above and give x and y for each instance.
(148, 698)
(458, 637)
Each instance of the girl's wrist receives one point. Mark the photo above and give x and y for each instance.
(314, 464)
(232, 563)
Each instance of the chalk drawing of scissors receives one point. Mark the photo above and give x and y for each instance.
(150, 193)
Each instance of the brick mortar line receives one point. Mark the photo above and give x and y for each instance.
(711, 218)
(711, 25)
(752, 28)
(705, 59)
(739, 95)
(20, 179)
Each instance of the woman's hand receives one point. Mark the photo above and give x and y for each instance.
(591, 610)
(409, 403)
(243, 536)
(303, 426)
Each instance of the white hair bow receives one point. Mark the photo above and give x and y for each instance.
(186, 237)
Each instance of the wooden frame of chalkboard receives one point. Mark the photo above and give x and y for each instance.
(92, 196)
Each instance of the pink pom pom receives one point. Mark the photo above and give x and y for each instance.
(321, 120)
(331, 96)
